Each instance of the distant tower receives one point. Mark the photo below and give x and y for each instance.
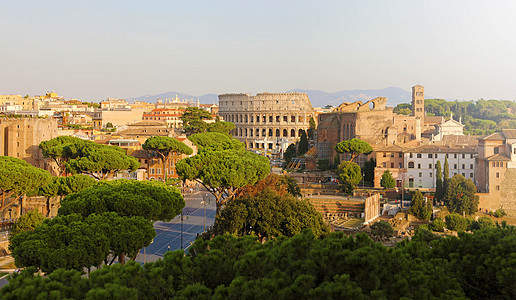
(418, 101)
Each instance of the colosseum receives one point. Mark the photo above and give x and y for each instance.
(268, 122)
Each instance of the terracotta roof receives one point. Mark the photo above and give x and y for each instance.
(509, 133)
(441, 149)
(468, 140)
(148, 123)
(497, 136)
(498, 157)
(433, 119)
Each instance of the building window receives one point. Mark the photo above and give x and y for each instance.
(392, 165)
(430, 166)
(463, 166)
(384, 154)
(470, 175)
(419, 155)
(430, 174)
(463, 155)
(430, 155)
(410, 155)
(420, 174)
(411, 165)
(436, 156)
(285, 119)
(277, 118)
(400, 165)
(471, 166)
(496, 150)
(464, 174)
(501, 164)
(455, 166)
(392, 154)
(419, 166)
(455, 155)
(497, 187)
(400, 155)
(384, 165)
(497, 175)
(471, 155)
(270, 119)
(152, 170)
(493, 164)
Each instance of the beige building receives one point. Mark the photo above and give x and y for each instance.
(117, 117)
(268, 121)
(496, 172)
(20, 138)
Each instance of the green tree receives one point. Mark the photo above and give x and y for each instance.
(28, 221)
(446, 177)
(387, 181)
(419, 208)
(349, 172)
(460, 195)
(62, 186)
(220, 126)
(381, 230)
(323, 164)
(17, 178)
(126, 235)
(456, 222)
(369, 166)
(215, 141)
(63, 242)
(147, 199)
(484, 223)
(223, 173)
(290, 153)
(101, 162)
(269, 215)
(164, 146)
(439, 188)
(291, 184)
(303, 144)
(311, 129)
(354, 148)
(194, 120)
(303, 266)
(61, 149)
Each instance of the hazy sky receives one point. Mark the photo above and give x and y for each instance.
(92, 50)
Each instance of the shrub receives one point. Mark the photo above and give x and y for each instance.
(381, 229)
(500, 213)
(437, 225)
(483, 223)
(456, 222)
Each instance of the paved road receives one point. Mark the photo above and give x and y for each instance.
(169, 233)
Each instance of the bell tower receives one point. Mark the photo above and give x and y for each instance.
(418, 101)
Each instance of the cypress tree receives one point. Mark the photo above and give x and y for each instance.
(303, 144)
(446, 178)
(438, 182)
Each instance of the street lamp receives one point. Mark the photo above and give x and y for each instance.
(206, 198)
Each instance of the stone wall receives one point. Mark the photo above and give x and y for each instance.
(508, 192)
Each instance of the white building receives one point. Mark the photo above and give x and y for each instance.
(450, 127)
(421, 163)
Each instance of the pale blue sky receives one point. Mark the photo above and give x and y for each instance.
(92, 50)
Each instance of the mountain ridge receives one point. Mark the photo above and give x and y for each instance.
(318, 98)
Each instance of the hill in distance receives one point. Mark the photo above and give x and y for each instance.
(318, 98)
